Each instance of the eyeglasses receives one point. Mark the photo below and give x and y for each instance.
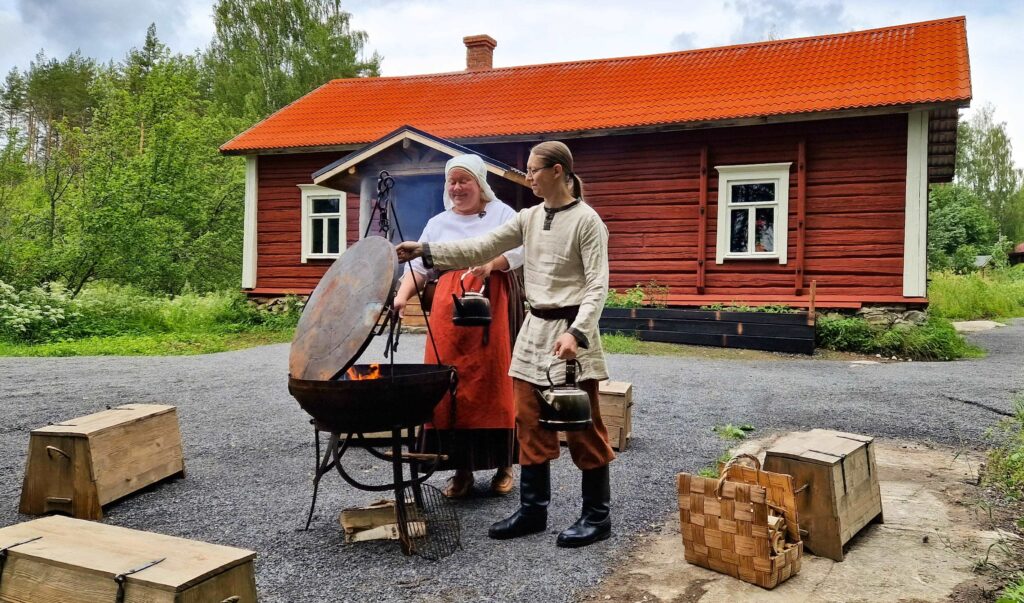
(531, 171)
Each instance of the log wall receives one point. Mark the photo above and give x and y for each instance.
(278, 227)
(647, 189)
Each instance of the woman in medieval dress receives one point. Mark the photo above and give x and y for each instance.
(478, 432)
(566, 275)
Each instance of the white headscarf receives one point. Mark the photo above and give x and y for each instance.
(474, 166)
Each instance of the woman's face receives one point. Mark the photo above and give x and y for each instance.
(544, 179)
(464, 192)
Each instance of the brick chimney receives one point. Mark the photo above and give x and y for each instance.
(479, 52)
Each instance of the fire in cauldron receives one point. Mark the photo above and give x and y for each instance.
(345, 311)
(370, 371)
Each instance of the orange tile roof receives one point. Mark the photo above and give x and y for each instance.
(905, 64)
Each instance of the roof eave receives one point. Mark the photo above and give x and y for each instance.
(719, 123)
(641, 129)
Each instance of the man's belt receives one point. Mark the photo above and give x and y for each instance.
(568, 313)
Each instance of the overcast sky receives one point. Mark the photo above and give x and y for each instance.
(425, 36)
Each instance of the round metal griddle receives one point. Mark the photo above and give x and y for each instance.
(339, 319)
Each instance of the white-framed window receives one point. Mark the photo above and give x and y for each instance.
(753, 212)
(323, 222)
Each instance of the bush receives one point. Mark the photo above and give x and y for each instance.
(990, 294)
(639, 295)
(102, 310)
(934, 340)
(766, 309)
(107, 310)
(34, 314)
(630, 298)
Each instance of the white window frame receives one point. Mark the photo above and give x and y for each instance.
(775, 173)
(310, 193)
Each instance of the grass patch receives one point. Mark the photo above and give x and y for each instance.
(978, 295)
(163, 344)
(629, 344)
(732, 432)
(1004, 471)
(1005, 467)
(934, 340)
(621, 343)
(1013, 592)
(712, 472)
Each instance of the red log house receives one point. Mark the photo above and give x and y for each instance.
(731, 175)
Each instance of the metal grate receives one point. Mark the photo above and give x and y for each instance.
(432, 528)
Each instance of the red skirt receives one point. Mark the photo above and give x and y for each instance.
(482, 435)
(484, 397)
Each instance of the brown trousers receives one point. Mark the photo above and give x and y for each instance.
(589, 448)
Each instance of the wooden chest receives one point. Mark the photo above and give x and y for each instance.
(616, 412)
(77, 466)
(836, 481)
(77, 560)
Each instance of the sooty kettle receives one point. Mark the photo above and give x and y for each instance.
(473, 309)
(564, 407)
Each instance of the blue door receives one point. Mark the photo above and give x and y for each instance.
(416, 200)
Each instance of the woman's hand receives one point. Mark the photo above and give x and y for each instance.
(409, 250)
(481, 272)
(406, 290)
(565, 347)
(399, 306)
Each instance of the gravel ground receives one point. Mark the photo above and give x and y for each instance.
(248, 450)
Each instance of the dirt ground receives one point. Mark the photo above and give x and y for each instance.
(936, 529)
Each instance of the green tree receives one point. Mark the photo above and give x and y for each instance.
(141, 61)
(159, 207)
(984, 164)
(957, 221)
(13, 100)
(13, 173)
(267, 53)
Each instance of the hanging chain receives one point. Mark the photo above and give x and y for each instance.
(385, 183)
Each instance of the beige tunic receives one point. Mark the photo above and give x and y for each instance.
(565, 266)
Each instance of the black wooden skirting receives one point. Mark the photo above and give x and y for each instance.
(749, 330)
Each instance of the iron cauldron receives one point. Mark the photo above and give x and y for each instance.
(403, 396)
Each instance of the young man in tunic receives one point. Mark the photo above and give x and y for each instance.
(566, 279)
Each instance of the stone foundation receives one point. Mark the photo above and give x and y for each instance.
(275, 304)
(896, 316)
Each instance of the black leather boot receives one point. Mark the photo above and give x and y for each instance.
(534, 496)
(595, 523)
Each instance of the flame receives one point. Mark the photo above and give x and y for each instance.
(354, 374)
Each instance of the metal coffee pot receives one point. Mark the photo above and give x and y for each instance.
(564, 407)
(473, 309)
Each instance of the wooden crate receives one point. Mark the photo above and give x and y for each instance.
(837, 484)
(77, 560)
(77, 466)
(616, 402)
